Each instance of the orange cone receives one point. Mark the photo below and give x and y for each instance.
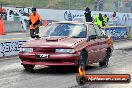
(2, 32)
(45, 23)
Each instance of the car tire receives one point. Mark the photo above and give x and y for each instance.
(83, 59)
(106, 59)
(28, 67)
(81, 80)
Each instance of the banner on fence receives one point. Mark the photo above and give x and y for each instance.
(121, 19)
(117, 32)
(10, 48)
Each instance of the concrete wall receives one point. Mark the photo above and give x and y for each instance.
(12, 26)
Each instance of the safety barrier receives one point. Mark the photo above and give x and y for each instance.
(12, 26)
(2, 31)
(117, 32)
(10, 48)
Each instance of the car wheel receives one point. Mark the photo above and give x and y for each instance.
(28, 67)
(106, 59)
(81, 80)
(83, 59)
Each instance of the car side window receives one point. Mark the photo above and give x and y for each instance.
(99, 31)
(91, 30)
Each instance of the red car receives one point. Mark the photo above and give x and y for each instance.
(67, 44)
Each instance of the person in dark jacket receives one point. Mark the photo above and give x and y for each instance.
(87, 14)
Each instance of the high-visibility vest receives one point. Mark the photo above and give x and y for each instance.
(34, 19)
(98, 22)
(105, 19)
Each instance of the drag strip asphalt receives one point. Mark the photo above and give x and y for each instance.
(13, 75)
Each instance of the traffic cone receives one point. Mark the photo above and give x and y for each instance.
(45, 23)
(2, 32)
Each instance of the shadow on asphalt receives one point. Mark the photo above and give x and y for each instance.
(126, 49)
(61, 70)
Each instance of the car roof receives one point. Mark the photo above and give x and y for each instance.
(74, 22)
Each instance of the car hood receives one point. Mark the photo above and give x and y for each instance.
(54, 42)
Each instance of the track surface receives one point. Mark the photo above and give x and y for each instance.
(15, 36)
(12, 74)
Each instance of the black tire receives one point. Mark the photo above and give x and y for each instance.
(83, 59)
(28, 67)
(81, 80)
(105, 62)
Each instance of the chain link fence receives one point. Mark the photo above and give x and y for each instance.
(95, 5)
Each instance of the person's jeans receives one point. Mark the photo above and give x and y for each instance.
(33, 32)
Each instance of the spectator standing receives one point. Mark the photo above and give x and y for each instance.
(121, 5)
(106, 20)
(95, 5)
(34, 21)
(126, 3)
(114, 19)
(99, 20)
(131, 7)
(87, 14)
(116, 3)
(101, 5)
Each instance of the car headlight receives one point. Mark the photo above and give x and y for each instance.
(26, 49)
(64, 50)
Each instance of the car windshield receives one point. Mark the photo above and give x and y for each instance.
(64, 30)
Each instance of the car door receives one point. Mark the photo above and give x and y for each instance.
(102, 43)
(92, 45)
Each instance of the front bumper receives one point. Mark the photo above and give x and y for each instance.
(53, 60)
(49, 63)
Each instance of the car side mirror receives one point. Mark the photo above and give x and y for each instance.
(92, 37)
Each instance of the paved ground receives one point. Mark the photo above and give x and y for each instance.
(14, 36)
(12, 74)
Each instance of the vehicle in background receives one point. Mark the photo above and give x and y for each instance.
(17, 13)
(67, 44)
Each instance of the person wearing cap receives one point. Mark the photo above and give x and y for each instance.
(34, 21)
(106, 20)
(99, 20)
(87, 14)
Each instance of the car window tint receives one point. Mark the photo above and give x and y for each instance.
(99, 31)
(79, 31)
(91, 30)
(65, 29)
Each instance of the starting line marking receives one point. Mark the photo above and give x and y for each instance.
(14, 39)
